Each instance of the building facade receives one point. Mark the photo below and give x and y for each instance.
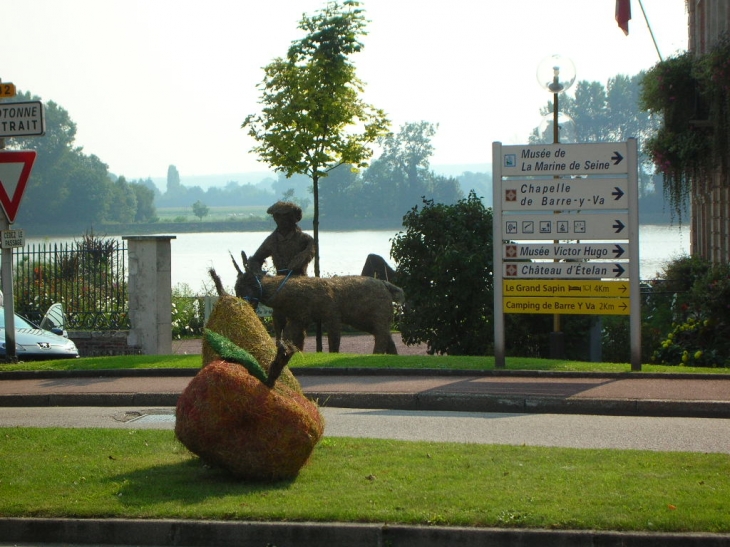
(709, 22)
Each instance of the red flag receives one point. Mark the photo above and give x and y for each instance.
(623, 14)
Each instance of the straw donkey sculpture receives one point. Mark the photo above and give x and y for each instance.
(363, 303)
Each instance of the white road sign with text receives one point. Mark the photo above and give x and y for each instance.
(564, 159)
(562, 194)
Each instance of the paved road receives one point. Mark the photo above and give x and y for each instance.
(563, 430)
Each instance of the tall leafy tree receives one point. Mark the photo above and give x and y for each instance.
(401, 177)
(66, 185)
(146, 210)
(174, 185)
(313, 118)
(340, 195)
(125, 200)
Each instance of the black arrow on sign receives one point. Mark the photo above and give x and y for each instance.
(619, 270)
(622, 288)
(618, 250)
(616, 158)
(619, 226)
(618, 193)
(622, 305)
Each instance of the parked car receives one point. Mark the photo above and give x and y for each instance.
(47, 341)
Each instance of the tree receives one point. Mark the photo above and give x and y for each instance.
(68, 186)
(200, 210)
(445, 268)
(401, 176)
(173, 181)
(609, 114)
(125, 200)
(311, 104)
(146, 211)
(340, 195)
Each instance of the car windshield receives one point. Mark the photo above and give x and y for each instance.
(20, 323)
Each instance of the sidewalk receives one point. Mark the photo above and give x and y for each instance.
(491, 391)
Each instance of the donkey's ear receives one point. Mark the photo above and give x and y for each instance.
(244, 259)
(235, 264)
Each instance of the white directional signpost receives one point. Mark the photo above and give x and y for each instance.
(566, 233)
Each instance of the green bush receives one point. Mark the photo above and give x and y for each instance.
(187, 312)
(696, 298)
(445, 268)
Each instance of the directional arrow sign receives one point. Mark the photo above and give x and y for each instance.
(568, 251)
(15, 170)
(565, 270)
(564, 159)
(567, 306)
(564, 287)
(565, 226)
(564, 194)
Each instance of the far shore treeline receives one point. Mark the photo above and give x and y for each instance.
(71, 193)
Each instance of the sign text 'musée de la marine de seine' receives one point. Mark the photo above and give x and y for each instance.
(544, 162)
(569, 159)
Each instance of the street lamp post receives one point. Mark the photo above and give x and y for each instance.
(556, 74)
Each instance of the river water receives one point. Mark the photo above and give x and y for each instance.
(344, 253)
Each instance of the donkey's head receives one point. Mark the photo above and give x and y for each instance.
(248, 283)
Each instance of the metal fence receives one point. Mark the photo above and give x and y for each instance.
(89, 277)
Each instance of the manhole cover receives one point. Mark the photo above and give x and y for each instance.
(150, 416)
(154, 419)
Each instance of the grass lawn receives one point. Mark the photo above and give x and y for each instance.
(147, 474)
(345, 360)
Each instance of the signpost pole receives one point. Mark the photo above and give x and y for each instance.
(6, 275)
(557, 338)
(8, 298)
(632, 158)
(497, 240)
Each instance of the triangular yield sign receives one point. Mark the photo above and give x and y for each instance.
(15, 169)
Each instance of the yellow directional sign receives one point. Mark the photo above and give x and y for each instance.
(567, 306)
(7, 89)
(564, 287)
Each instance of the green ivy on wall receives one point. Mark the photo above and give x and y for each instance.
(692, 94)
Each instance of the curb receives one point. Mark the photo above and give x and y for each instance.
(357, 371)
(310, 534)
(435, 401)
(432, 401)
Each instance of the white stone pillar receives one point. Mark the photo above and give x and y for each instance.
(150, 293)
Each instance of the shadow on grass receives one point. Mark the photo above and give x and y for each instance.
(188, 482)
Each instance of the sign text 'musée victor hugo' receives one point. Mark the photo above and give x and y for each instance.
(566, 232)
